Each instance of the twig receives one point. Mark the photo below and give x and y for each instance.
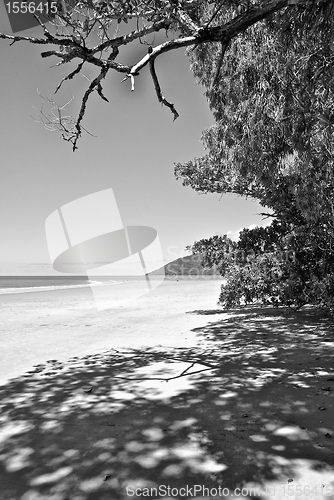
(30, 39)
(46, 32)
(160, 96)
(132, 78)
(184, 371)
(71, 75)
(100, 92)
(265, 215)
(130, 37)
(183, 374)
(96, 83)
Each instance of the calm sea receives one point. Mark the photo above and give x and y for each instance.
(21, 284)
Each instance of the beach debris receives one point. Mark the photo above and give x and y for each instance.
(106, 477)
(327, 435)
(111, 424)
(244, 415)
(88, 390)
(330, 379)
(326, 388)
(290, 480)
(330, 459)
(322, 408)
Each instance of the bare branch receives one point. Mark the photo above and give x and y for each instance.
(100, 92)
(95, 84)
(46, 32)
(71, 75)
(64, 123)
(30, 39)
(183, 374)
(161, 49)
(265, 215)
(188, 368)
(130, 37)
(216, 34)
(132, 78)
(242, 22)
(161, 98)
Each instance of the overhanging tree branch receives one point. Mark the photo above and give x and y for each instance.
(134, 35)
(75, 26)
(95, 85)
(158, 91)
(70, 76)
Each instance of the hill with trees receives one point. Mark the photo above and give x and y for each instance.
(190, 265)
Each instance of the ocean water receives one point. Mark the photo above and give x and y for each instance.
(21, 284)
(25, 284)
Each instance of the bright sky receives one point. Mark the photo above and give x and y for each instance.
(134, 153)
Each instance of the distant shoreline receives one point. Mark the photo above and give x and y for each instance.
(13, 285)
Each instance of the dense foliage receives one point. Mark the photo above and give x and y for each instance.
(273, 102)
(278, 265)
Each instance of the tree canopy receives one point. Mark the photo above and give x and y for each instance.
(93, 32)
(272, 140)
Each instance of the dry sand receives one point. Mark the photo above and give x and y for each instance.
(39, 326)
(248, 403)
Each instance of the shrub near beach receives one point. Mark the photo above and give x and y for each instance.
(276, 265)
(272, 141)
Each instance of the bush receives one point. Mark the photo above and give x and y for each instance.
(277, 265)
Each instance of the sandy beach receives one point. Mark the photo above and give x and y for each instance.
(164, 397)
(40, 326)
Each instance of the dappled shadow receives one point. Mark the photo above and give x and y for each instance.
(252, 401)
(207, 312)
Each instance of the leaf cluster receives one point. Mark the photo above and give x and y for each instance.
(272, 95)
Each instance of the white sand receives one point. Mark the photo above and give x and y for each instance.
(210, 399)
(39, 326)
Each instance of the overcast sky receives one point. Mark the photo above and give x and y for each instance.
(134, 153)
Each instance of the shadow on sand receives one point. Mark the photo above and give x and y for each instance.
(246, 406)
